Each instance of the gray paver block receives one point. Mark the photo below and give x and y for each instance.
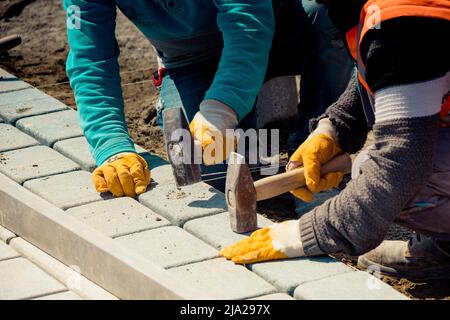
(118, 217)
(169, 246)
(162, 175)
(28, 102)
(286, 275)
(187, 203)
(6, 252)
(216, 229)
(221, 279)
(68, 295)
(348, 286)
(34, 162)
(8, 82)
(12, 138)
(274, 296)
(21, 279)
(52, 127)
(77, 149)
(66, 190)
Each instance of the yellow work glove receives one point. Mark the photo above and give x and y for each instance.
(125, 174)
(320, 147)
(279, 241)
(209, 127)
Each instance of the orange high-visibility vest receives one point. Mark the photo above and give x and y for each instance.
(372, 15)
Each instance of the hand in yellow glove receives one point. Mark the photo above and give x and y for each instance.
(209, 128)
(125, 174)
(279, 241)
(319, 148)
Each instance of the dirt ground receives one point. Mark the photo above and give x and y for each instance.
(40, 60)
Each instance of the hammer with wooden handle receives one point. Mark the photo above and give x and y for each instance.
(242, 193)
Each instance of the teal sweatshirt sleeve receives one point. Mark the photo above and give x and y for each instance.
(93, 71)
(247, 27)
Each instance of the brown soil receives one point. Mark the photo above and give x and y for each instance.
(40, 60)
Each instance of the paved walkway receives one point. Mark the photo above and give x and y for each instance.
(22, 279)
(43, 149)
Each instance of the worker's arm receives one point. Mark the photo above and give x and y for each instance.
(406, 71)
(247, 27)
(93, 71)
(347, 118)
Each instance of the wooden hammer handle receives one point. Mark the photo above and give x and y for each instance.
(273, 186)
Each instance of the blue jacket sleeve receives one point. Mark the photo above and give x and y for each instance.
(93, 71)
(247, 27)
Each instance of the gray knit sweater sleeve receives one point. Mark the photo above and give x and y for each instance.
(348, 118)
(357, 219)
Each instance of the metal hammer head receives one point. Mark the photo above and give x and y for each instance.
(240, 195)
(180, 147)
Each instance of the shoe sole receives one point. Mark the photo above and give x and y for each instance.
(435, 273)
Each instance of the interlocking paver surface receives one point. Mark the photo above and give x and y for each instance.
(34, 162)
(356, 285)
(68, 295)
(28, 102)
(222, 279)
(286, 275)
(6, 252)
(169, 246)
(8, 82)
(12, 138)
(52, 127)
(118, 217)
(187, 203)
(77, 149)
(216, 229)
(66, 190)
(20, 279)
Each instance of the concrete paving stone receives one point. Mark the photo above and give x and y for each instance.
(274, 296)
(12, 138)
(216, 229)
(28, 102)
(161, 171)
(144, 279)
(184, 204)
(221, 279)
(286, 275)
(77, 149)
(169, 246)
(6, 252)
(9, 82)
(34, 162)
(52, 127)
(68, 295)
(348, 286)
(162, 175)
(67, 190)
(118, 217)
(21, 279)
